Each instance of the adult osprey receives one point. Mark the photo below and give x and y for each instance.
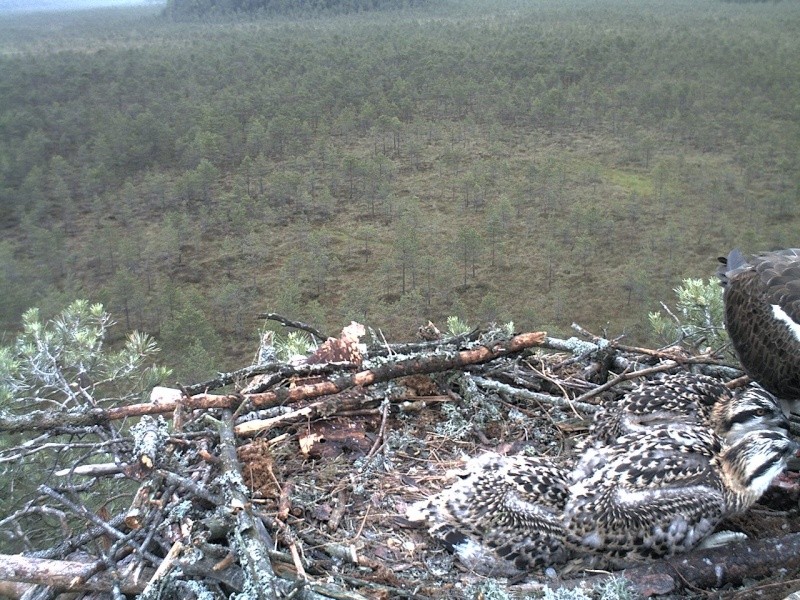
(762, 316)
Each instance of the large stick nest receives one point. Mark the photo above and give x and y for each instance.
(295, 482)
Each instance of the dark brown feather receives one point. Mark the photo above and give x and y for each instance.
(766, 346)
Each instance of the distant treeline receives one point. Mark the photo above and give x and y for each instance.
(195, 8)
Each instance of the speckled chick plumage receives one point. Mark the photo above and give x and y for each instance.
(503, 514)
(687, 398)
(684, 397)
(669, 489)
(661, 468)
(762, 316)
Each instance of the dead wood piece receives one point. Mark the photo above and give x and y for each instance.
(348, 400)
(343, 552)
(713, 568)
(325, 440)
(139, 507)
(249, 537)
(212, 568)
(431, 363)
(707, 364)
(738, 382)
(165, 567)
(734, 563)
(346, 347)
(71, 544)
(381, 434)
(293, 324)
(88, 515)
(338, 511)
(285, 500)
(67, 574)
(149, 437)
(249, 428)
(627, 375)
(50, 420)
(490, 384)
(575, 346)
(283, 372)
(223, 379)
(456, 342)
(190, 486)
(263, 377)
(93, 470)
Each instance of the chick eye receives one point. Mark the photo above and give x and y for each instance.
(760, 412)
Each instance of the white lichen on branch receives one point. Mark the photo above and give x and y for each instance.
(149, 436)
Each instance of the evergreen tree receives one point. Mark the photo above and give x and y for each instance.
(62, 367)
(190, 343)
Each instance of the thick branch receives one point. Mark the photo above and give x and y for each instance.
(430, 363)
(730, 564)
(273, 372)
(713, 568)
(44, 420)
(353, 399)
(68, 574)
(249, 536)
(491, 384)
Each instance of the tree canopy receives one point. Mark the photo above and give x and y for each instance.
(195, 8)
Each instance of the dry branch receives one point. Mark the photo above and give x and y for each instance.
(424, 363)
(107, 528)
(68, 574)
(490, 384)
(342, 403)
(166, 565)
(432, 363)
(271, 374)
(729, 565)
(248, 537)
(455, 341)
(293, 324)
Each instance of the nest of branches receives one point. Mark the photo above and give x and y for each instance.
(295, 483)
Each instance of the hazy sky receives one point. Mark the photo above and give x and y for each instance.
(39, 5)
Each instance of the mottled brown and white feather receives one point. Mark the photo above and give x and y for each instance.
(503, 514)
(669, 489)
(687, 398)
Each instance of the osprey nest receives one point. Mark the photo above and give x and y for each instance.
(298, 479)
